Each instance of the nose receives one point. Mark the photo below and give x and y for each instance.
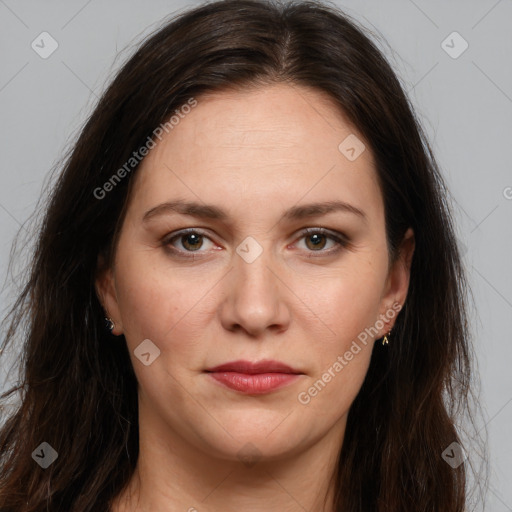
(255, 297)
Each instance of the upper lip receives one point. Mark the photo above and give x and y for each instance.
(265, 366)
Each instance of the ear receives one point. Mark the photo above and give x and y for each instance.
(397, 282)
(106, 291)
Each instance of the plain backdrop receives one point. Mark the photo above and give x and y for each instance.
(463, 99)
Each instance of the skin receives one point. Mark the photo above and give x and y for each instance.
(254, 153)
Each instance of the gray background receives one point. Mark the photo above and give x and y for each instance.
(465, 104)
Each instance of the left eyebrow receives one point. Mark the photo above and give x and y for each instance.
(199, 210)
(317, 209)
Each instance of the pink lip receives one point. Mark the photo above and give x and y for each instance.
(254, 378)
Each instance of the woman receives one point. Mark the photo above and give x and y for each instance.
(258, 216)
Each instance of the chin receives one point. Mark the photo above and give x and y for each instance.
(247, 442)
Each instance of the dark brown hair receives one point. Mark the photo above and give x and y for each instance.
(77, 388)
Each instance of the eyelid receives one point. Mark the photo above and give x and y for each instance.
(339, 238)
(167, 239)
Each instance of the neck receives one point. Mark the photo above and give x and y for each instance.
(172, 474)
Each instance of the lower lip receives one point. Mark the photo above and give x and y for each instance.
(254, 384)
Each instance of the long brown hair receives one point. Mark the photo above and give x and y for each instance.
(77, 389)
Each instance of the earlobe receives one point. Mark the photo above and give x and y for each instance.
(106, 293)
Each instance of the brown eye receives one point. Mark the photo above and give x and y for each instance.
(316, 241)
(187, 241)
(317, 238)
(192, 241)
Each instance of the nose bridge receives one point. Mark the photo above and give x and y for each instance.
(254, 297)
(253, 276)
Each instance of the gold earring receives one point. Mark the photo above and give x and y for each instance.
(385, 340)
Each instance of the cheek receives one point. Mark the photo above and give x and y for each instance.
(173, 306)
(156, 301)
(330, 394)
(349, 305)
(348, 301)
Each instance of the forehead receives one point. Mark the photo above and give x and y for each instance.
(268, 122)
(278, 141)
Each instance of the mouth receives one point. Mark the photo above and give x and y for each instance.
(254, 378)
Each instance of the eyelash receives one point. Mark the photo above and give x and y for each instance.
(340, 239)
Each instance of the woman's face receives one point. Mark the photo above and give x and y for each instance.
(247, 283)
